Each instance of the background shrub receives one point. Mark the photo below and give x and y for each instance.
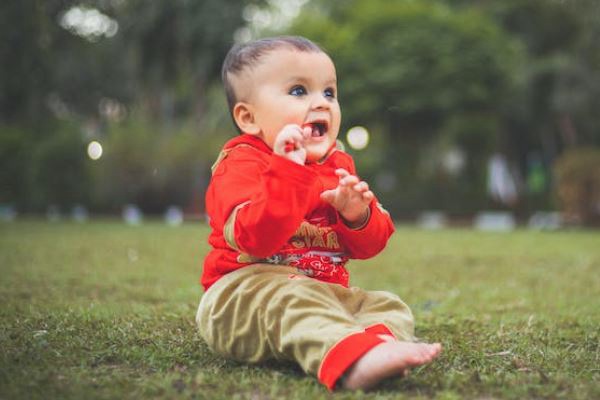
(578, 184)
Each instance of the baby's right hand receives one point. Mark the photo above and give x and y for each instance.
(290, 143)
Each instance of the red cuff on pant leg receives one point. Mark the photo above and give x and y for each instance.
(343, 354)
(380, 329)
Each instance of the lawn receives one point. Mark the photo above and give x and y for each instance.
(104, 310)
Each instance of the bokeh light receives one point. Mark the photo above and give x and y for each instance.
(358, 137)
(94, 150)
(89, 23)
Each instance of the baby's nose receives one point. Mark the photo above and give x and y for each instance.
(319, 101)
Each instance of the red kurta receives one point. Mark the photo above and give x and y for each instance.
(265, 208)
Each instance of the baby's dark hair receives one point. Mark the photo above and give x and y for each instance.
(244, 55)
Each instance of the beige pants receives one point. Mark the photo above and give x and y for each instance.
(263, 312)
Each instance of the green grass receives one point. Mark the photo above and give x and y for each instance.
(103, 310)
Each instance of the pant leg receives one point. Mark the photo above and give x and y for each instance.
(267, 312)
(380, 307)
(264, 312)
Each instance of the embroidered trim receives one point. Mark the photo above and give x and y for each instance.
(229, 227)
(223, 155)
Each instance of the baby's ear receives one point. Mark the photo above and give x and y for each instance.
(243, 115)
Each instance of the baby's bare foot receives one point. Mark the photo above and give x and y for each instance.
(388, 359)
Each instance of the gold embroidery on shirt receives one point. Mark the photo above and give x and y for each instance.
(332, 240)
(247, 258)
(229, 227)
(309, 235)
(318, 241)
(223, 155)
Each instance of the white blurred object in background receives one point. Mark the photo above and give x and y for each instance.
(502, 185)
(543, 220)
(8, 213)
(132, 215)
(499, 221)
(174, 216)
(358, 137)
(432, 220)
(94, 150)
(53, 213)
(79, 213)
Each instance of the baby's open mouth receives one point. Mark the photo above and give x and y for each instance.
(318, 128)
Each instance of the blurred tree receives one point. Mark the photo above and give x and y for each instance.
(50, 72)
(14, 153)
(175, 47)
(26, 56)
(425, 75)
(433, 80)
(577, 98)
(56, 170)
(178, 47)
(577, 172)
(144, 167)
(59, 76)
(559, 91)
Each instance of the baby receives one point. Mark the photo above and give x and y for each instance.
(287, 212)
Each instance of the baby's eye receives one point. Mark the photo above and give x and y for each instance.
(329, 92)
(298, 90)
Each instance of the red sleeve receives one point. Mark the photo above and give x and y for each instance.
(371, 238)
(272, 196)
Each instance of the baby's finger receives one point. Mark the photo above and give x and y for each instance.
(349, 180)
(292, 139)
(295, 134)
(328, 195)
(306, 132)
(289, 146)
(361, 186)
(292, 144)
(341, 172)
(368, 196)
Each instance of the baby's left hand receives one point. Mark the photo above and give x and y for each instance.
(351, 198)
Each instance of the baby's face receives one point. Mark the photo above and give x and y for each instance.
(293, 87)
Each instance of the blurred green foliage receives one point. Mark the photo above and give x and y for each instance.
(427, 77)
(434, 81)
(142, 93)
(37, 170)
(152, 167)
(578, 184)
